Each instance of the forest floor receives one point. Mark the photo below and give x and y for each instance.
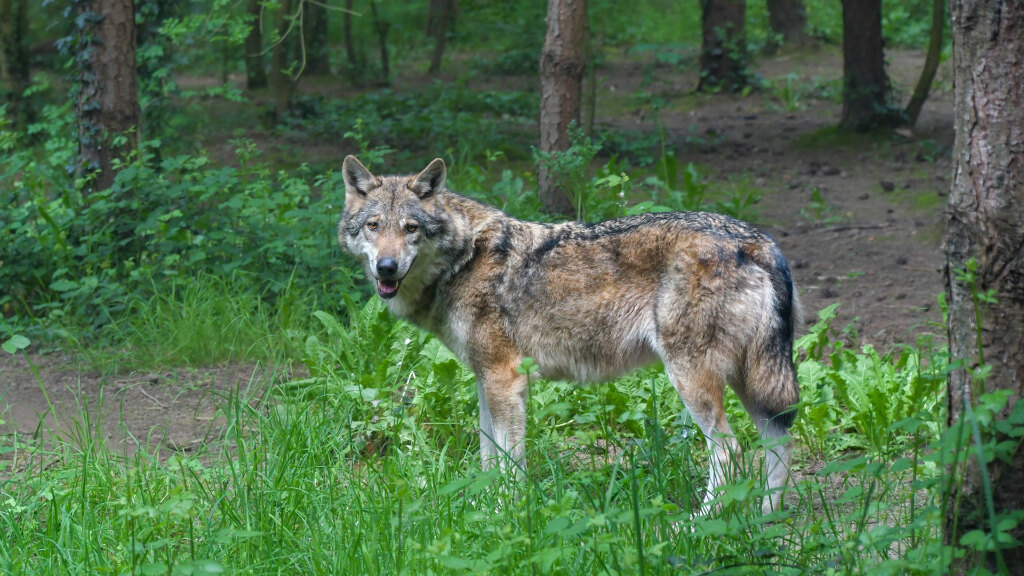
(860, 219)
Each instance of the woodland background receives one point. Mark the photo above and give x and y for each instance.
(198, 381)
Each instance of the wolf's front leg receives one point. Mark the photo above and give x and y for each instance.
(503, 393)
(488, 449)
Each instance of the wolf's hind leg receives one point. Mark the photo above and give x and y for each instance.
(701, 390)
(769, 393)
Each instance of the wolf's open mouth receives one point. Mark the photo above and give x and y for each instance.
(387, 288)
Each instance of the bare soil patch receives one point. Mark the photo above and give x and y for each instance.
(162, 412)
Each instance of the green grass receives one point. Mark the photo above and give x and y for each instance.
(201, 321)
(370, 467)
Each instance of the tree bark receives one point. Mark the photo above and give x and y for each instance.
(931, 65)
(986, 225)
(788, 19)
(346, 25)
(255, 69)
(723, 56)
(282, 84)
(314, 35)
(561, 77)
(440, 16)
(589, 80)
(382, 27)
(14, 61)
(866, 90)
(107, 106)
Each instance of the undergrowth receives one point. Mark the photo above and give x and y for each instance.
(368, 467)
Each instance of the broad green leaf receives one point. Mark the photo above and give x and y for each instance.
(16, 343)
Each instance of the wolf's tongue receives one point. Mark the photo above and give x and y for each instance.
(388, 287)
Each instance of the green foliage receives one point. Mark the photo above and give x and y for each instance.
(518, 61)
(81, 259)
(908, 24)
(818, 210)
(15, 343)
(367, 467)
(568, 168)
(655, 22)
(453, 118)
(857, 400)
(904, 23)
(200, 320)
(637, 147)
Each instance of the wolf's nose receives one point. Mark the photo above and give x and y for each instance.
(387, 267)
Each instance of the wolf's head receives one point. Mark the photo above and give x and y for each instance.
(393, 224)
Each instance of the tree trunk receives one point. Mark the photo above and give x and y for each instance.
(866, 91)
(931, 65)
(14, 61)
(986, 226)
(590, 80)
(346, 25)
(255, 70)
(382, 27)
(723, 55)
(314, 35)
(108, 100)
(281, 82)
(440, 16)
(561, 77)
(788, 20)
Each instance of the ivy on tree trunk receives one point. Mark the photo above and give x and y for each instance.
(107, 105)
(723, 55)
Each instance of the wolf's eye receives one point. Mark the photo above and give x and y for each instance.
(371, 225)
(411, 228)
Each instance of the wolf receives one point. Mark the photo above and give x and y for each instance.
(710, 296)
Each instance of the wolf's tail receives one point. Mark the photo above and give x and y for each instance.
(771, 375)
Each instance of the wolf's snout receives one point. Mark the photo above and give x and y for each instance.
(387, 267)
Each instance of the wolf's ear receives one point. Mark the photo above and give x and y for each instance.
(358, 179)
(430, 181)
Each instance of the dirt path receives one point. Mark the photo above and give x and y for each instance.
(165, 412)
